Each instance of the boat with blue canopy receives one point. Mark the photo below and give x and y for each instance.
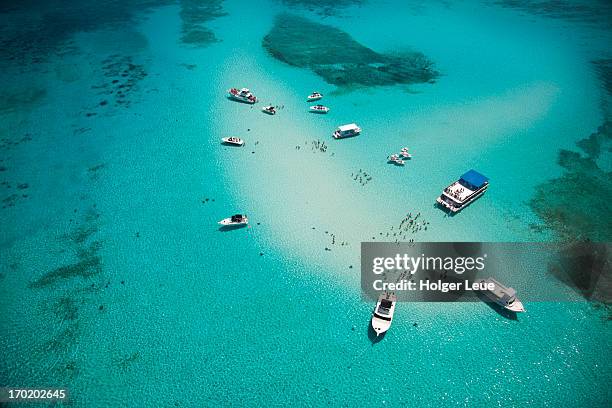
(464, 191)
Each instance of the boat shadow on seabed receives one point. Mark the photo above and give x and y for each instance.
(500, 310)
(227, 228)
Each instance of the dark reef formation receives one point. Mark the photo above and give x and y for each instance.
(194, 14)
(32, 31)
(338, 58)
(576, 206)
(122, 76)
(323, 7)
(591, 11)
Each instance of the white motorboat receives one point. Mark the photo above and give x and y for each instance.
(270, 110)
(242, 95)
(237, 219)
(464, 191)
(502, 295)
(349, 130)
(395, 159)
(383, 314)
(315, 96)
(404, 153)
(233, 141)
(319, 109)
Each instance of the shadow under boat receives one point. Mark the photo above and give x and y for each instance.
(227, 228)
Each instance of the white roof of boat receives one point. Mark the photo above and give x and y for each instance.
(350, 126)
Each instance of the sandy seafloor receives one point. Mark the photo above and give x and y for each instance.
(116, 282)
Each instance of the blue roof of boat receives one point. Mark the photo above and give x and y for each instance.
(475, 178)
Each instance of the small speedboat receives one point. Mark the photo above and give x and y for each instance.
(319, 109)
(242, 95)
(406, 155)
(270, 110)
(383, 314)
(237, 219)
(236, 141)
(315, 96)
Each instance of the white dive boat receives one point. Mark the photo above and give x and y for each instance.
(233, 141)
(464, 191)
(319, 109)
(394, 158)
(383, 314)
(237, 219)
(503, 296)
(270, 110)
(404, 153)
(242, 95)
(346, 131)
(315, 96)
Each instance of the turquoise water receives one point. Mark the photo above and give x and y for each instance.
(116, 282)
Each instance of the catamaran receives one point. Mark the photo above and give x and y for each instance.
(502, 295)
(233, 141)
(349, 130)
(237, 219)
(315, 96)
(464, 191)
(242, 95)
(383, 314)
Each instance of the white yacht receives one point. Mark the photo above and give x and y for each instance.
(237, 219)
(270, 110)
(349, 130)
(242, 95)
(383, 314)
(464, 191)
(503, 296)
(319, 109)
(233, 141)
(315, 96)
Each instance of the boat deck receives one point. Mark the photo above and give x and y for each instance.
(458, 192)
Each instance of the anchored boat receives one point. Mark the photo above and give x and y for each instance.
(464, 191)
(383, 314)
(270, 110)
(319, 109)
(242, 95)
(502, 295)
(237, 219)
(233, 141)
(349, 130)
(315, 96)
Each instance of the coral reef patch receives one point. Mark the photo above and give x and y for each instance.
(340, 60)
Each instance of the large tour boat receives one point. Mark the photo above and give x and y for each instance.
(502, 295)
(349, 130)
(242, 95)
(464, 191)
